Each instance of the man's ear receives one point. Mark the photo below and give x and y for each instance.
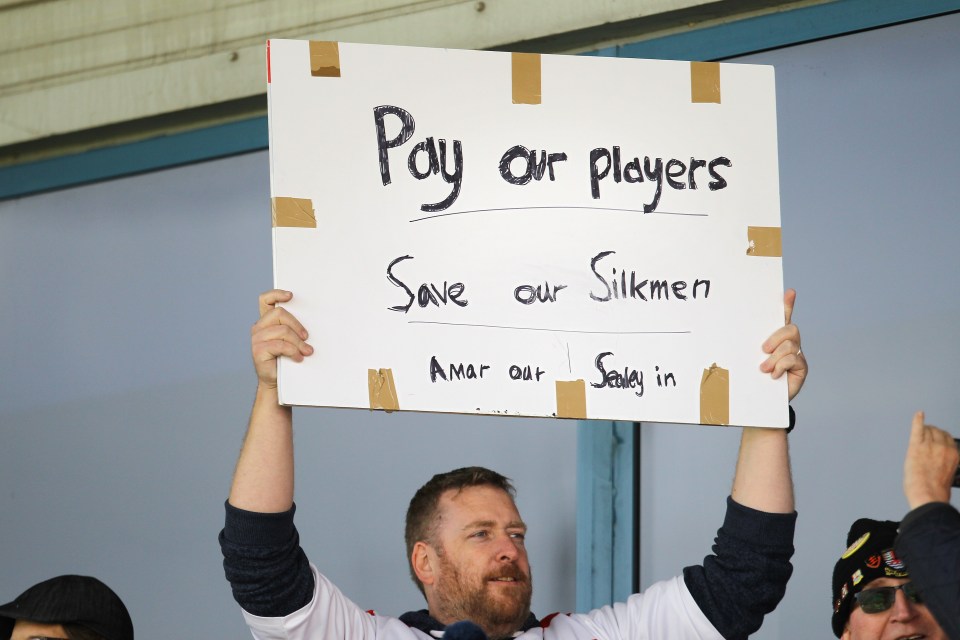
(423, 559)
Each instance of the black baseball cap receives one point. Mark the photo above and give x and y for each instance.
(869, 556)
(79, 600)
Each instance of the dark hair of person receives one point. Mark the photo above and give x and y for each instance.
(78, 632)
(423, 514)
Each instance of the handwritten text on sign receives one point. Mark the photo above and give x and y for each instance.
(480, 232)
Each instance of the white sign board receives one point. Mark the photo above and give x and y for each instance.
(527, 235)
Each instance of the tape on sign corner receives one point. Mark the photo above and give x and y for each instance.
(705, 82)
(293, 212)
(324, 59)
(572, 399)
(383, 391)
(525, 69)
(715, 395)
(765, 242)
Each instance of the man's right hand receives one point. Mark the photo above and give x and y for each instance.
(277, 333)
(930, 464)
(263, 480)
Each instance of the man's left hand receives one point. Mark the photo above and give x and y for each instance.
(786, 357)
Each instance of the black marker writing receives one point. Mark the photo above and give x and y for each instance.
(427, 293)
(456, 371)
(534, 168)
(629, 379)
(435, 154)
(630, 287)
(603, 161)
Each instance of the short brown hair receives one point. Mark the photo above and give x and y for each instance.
(422, 514)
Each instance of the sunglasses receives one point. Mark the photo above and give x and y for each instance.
(882, 598)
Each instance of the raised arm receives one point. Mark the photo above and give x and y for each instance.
(263, 479)
(929, 539)
(262, 559)
(747, 574)
(930, 464)
(762, 480)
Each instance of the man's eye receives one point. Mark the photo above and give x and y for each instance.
(479, 534)
(518, 536)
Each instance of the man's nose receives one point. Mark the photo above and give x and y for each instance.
(903, 609)
(509, 548)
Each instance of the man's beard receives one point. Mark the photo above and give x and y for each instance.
(459, 598)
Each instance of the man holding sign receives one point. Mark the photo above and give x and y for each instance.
(465, 537)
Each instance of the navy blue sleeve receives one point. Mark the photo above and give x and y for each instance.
(929, 544)
(747, 574)
(262, 559)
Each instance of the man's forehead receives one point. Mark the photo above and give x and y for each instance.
(474, 502)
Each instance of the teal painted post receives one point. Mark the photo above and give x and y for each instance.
(606, 488)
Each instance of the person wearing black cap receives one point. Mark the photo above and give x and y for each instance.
(66, 608)
(873, 595)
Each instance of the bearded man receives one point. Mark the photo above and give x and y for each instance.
(465, 537)
(456, 523)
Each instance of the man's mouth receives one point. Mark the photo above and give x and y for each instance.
(510, 577)
(918, 636)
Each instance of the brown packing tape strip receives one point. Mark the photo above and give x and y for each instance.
(293, 212)
(715, 395)
(764, 241)
(324, 59)
(571, 399)
(705, 82)
(383, 392)
(526, 78)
